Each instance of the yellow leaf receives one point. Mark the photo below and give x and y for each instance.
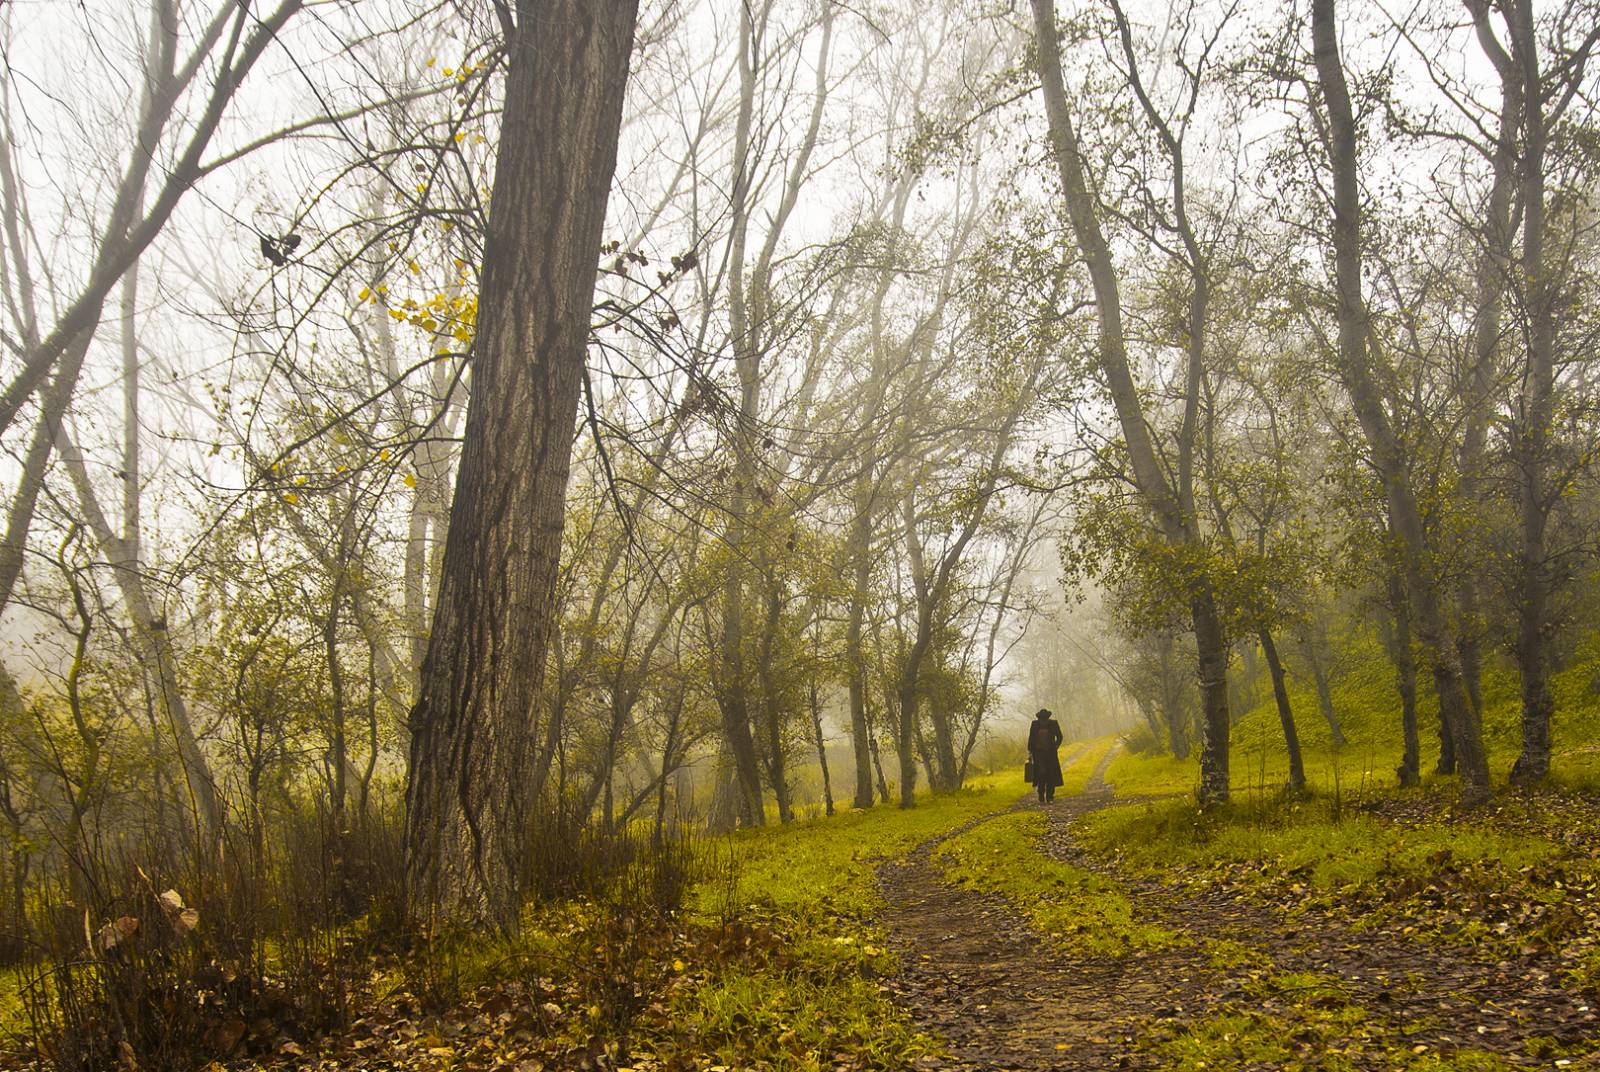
(678, 965)
(411, 481)
(291, 498)
(364, 295)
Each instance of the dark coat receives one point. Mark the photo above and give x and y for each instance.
(1044, 737)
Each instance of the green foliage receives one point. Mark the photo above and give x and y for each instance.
(1368, 706)
(1079, 912)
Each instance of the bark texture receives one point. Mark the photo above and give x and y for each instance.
(473, 728)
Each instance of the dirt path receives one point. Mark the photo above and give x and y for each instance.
(975, 976)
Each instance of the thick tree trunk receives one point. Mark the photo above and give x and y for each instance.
(471, 731)
(906, 743)
(733, 700)
(1215, 721)
(1366, 398)
(1175, 524)
(1280, 693)
(1490, 278)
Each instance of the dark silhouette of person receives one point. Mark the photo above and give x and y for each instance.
(1044, 737)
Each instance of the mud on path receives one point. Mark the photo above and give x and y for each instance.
(1000, 997)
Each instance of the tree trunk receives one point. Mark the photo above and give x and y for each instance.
(1215, 721)
(1321, 679)
(1366, 398)
(816, 726)
(1491, 272)
(1405, 674)
(733, 700)
(877, 766)
(1175, 524)
(856, 664)
(1280, 693)
(471, 731)
(1533, 446)
(905, 741)
(154, 645)
(772, 707)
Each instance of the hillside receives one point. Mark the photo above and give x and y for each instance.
(1368, 708)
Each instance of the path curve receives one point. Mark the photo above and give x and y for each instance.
(974, 975)
(1000, 998)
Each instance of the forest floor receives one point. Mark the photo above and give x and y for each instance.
(1224, 969)
(982, 930)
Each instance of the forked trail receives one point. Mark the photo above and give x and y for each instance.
(1000, 997)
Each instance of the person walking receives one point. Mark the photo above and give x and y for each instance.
(1044, 737)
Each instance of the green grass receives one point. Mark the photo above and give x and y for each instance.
(826, 866)
(805, 989)
(1075, 776)
(1312, 841)
(796, 1015)
(1368, 707)
(1078, 911)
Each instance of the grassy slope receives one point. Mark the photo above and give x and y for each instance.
(1370, 851)
(1369, 711)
